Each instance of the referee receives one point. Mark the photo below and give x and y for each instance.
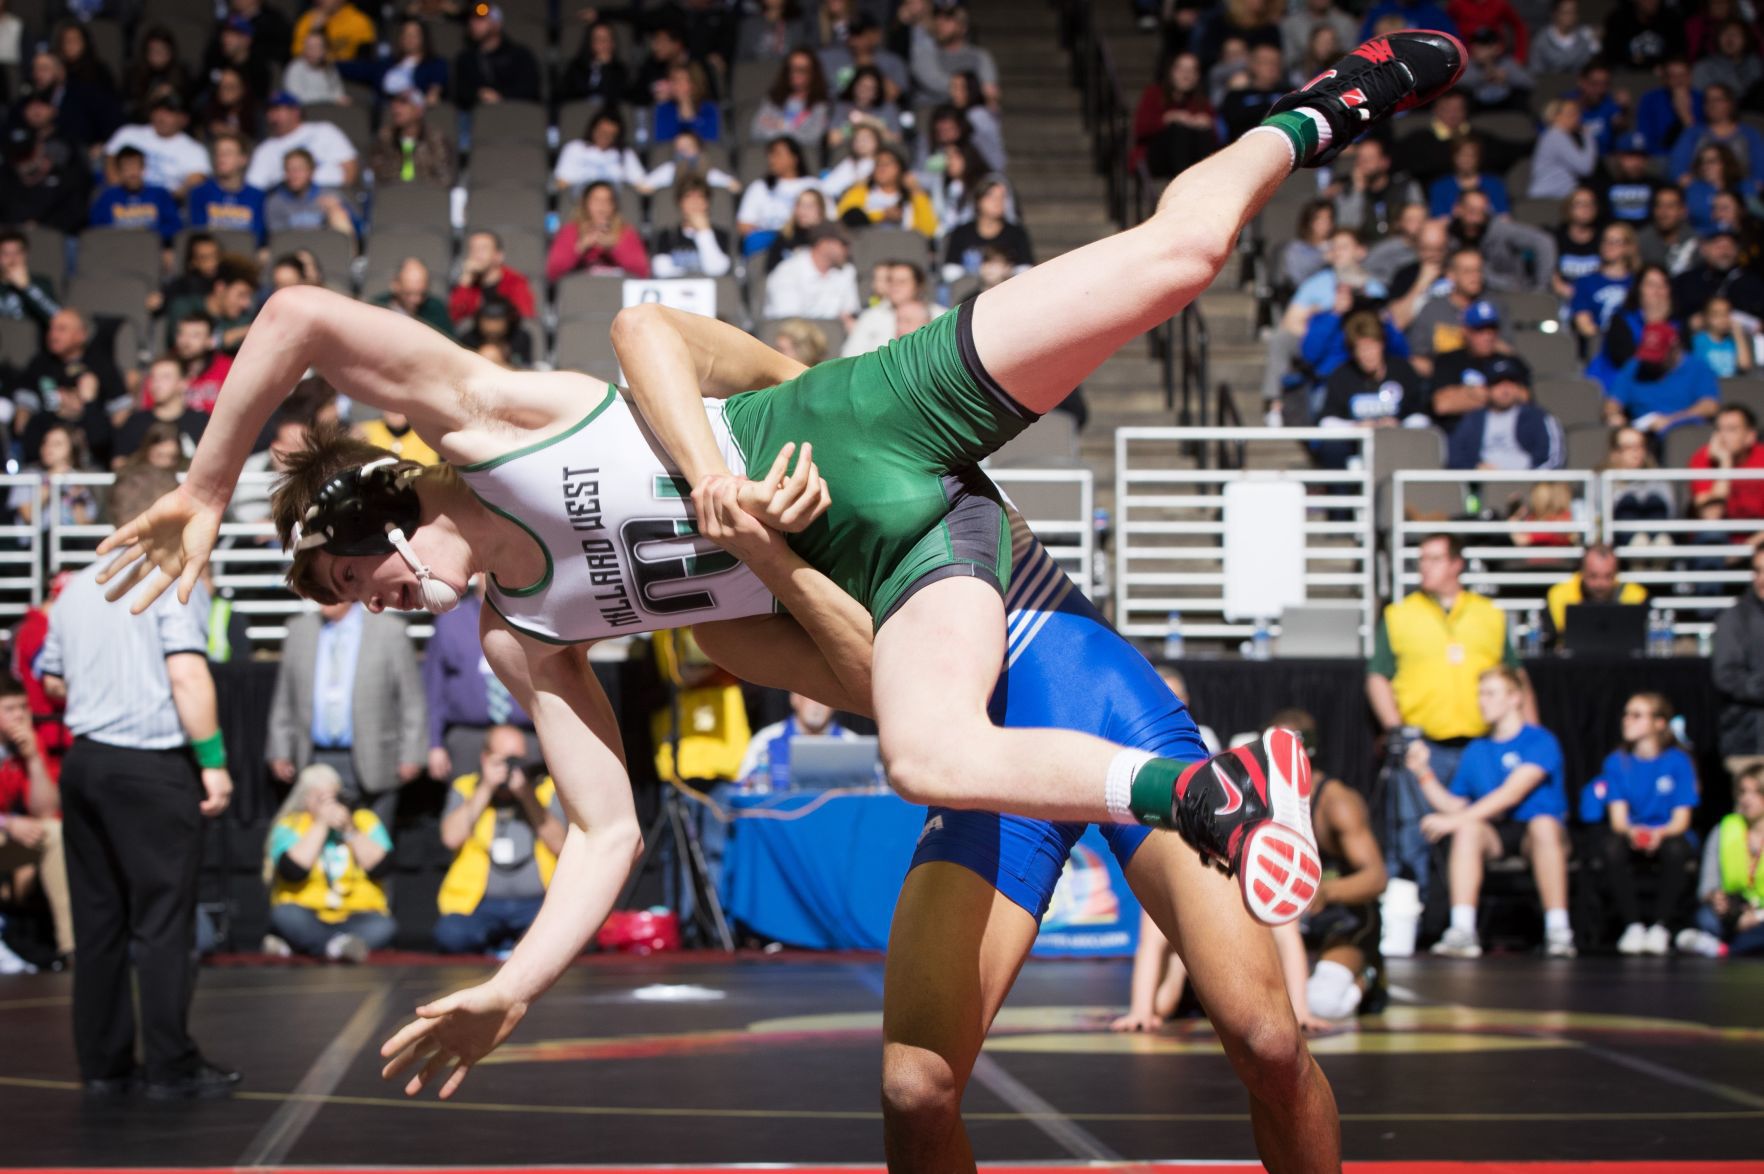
(147, 765)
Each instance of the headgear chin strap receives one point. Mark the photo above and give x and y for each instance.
(367, 510)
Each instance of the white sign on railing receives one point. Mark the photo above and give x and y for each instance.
(1170, 526)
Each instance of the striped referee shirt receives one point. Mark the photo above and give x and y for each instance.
(118, 689)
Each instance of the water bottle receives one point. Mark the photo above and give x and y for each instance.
(1173, 636)
(1261, 640)
(1659, 633)
(1533, 641)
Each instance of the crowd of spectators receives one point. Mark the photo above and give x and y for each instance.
(397, 154)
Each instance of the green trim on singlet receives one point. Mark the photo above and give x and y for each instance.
(528, 632)
(545, 579)
(526, 450)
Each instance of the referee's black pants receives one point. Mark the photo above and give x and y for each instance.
(133, 835)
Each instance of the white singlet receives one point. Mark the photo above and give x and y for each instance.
(615, 519)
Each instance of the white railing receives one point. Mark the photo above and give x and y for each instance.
(1516, 574)
(1655, 564)
(1060, 507)
(21, 551)
(248, 560)
(1170, 527)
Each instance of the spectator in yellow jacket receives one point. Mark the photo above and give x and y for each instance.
(891, 196)
(322, 861)
(1595, 582)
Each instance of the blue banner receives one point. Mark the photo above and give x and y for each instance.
(821, 871)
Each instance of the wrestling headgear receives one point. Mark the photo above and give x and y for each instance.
(368, 510)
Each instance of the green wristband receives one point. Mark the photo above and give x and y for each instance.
(211, 752)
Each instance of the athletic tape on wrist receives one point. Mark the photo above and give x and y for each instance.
(211, 752)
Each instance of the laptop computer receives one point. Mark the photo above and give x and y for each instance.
(820, 763)
(1318, 631)
(1605, 629)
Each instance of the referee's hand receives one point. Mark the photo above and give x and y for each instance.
(217, 785)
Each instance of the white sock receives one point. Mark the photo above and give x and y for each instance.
(1118, 784)
(1555, 921)
(1332, 991)
(1464, 917)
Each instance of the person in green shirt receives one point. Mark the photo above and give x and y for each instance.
(408, 294)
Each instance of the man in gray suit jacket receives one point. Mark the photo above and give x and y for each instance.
(350, 695)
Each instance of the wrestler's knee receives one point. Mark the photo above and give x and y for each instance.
(1270, 1052)
(919, 1087)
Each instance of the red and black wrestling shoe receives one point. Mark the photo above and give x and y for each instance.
(1250, 809)
(1386, 75)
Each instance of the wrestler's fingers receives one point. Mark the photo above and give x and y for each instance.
(407, 1056)
(121, 536)
(780, 465)
(130, 580)
(454, 1080)
(436, 1062)
(407, 1035)
(153, 590)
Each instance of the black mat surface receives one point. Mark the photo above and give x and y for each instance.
(698, 1059)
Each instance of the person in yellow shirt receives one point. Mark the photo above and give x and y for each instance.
(393, 433)
(1430, 650)
(347, 29)
(891, 196)
(1595, 582)
(321, 862)
(505, 827)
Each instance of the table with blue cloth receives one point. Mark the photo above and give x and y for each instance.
(821, 870)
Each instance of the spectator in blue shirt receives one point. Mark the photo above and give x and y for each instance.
(1467, 175)
(1662, 387)
(1604, 114)
(688, 106)
(1721, 127)
(1599, 295)
(1325, 345)
(1665, 113)
(1506, 796)
(131, 203)
(1415, 14)
(1646, 793)
(1716, 170)
(1629, 186)
(224, 200)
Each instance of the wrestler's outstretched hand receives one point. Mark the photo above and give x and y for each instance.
(170, 543)
(785, 499)
(449, 1036)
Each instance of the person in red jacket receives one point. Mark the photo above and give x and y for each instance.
(485, 271)
(1174, 125)
(46, 711)
(1500, 15)
(597, 239)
